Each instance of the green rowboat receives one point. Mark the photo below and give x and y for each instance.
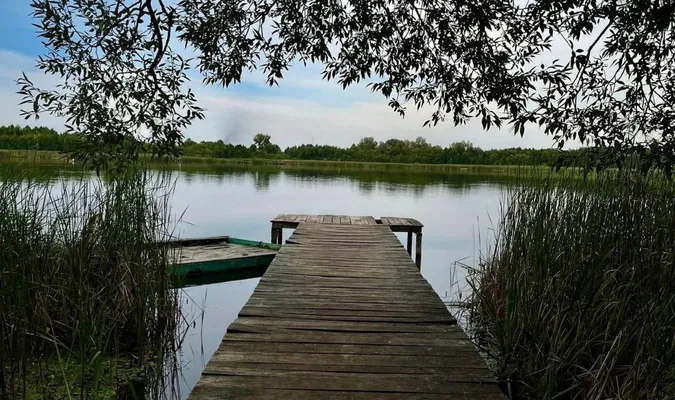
(220, 254)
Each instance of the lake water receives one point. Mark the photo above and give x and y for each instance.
(457, 211)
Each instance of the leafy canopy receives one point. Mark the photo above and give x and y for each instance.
(612, 83)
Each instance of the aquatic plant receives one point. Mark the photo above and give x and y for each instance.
(86, 305)
(576, 299)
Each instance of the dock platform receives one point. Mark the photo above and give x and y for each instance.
(343, 313)
(408, 225)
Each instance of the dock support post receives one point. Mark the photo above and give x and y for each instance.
(410, 243)
(276, 235)
(418, 251)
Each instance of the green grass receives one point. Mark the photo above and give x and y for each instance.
(56, 157)
(83, 285)
(33, 156)
(576, 300)
(499, 169)
(63, 378)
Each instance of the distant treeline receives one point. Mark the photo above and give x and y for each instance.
(394, 150)
(367, 150)
(15, 137)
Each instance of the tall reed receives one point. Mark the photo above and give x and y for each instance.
(86, 307)
(576, 300)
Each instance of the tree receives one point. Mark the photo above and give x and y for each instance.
(261, 141)
(611, 82)
(368, 143)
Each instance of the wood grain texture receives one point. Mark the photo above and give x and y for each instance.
(343, 313)
(292, 220)
(218, 251)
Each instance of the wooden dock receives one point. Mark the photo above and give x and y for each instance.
(408, 225)
(343, 313)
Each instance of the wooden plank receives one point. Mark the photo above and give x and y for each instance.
(344, 304)
(394, 221)
(301, 218)
(448, 385)
(279, 218)
(415, 222)
(397, 221)
(326, 348)
(458, 375)
(218, 251)
(343, 313)
(336, 313)
(282, 277)
(357, 220)
(362, 220)
(440, 361)
(220, 391)
(272, 324)
(445, 340)
(250, 368)
(316, 219)
(367, 284)
(399, 295)
(370, 221)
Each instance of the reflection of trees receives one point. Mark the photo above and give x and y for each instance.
(262, 180)
(368, 179)
(262, 176)
(41, 173)
(366, 187)
(396, 180)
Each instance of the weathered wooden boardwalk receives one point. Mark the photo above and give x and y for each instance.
(343, 313)
(406, 225)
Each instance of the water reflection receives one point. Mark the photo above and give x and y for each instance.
(264, 176)
(222, 277)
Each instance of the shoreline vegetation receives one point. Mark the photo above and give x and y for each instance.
(14, 139)
(576, 297)
(87, 309)
(55, 157)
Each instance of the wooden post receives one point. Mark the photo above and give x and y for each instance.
(280, 234)
(418, 251)
(274, 235)
(410, 243)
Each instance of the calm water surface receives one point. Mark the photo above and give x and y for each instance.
(239, 201)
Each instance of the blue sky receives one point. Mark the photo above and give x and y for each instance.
(303, 109)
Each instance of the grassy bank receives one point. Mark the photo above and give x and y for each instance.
(86, 309)
(56, 157)
(577, 298)
(33, 156)
(456, 168)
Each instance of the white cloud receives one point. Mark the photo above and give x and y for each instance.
(12, 64)
(289, 120)
(294, 121)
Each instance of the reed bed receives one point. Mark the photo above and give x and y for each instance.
(86, 304)
(576, 298)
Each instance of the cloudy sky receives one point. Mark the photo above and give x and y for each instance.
(304, 109)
